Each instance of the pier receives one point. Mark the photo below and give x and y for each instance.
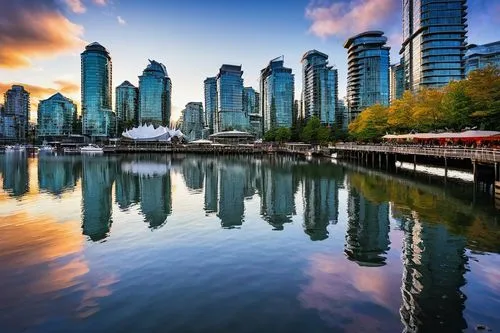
(486, 160)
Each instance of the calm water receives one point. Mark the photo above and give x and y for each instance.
(240, 244)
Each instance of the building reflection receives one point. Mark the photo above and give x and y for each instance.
(14, 170)
(367, 237)
(320, 195)
(232, 181)
(277, 192)
(148, 183)
(98, 175)
(58, 174)
(434, 264)
(192, 171)
(211, 187)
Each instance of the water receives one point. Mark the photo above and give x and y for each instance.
(240, 244)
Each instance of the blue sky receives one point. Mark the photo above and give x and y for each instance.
(42, 39)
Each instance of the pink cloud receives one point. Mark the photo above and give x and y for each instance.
(347, 18)
(101, 2)
(76, 6)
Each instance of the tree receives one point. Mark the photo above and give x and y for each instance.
(310, 131)
(483, 87)
(270, 135)
(370, 124)
(400, 116)
(456, 105)
(283, 134)
(427, 112)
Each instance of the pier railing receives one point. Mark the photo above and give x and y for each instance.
(485, 155)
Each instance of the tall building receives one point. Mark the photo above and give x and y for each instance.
(192, 121)
(16, 113)
(229, 114)
(56, 115)
(210, 87)
(367, 71)
(434, 40)
(277, 95)
(155, 95)
(126, 104)
(319, 87)
(250, 101)
(396, 81)
(97, 88)
(481, 56)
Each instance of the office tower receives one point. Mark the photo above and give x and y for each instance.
(434, 40)
(192, 121)
(319, 87)
(250, 101)
(277, 95)
(229, 114)
(397, 81)
(96, 68)
(342, 115)
(2, 117)
(155, 95)
(56, 115)
(367, 71)
(126, 105)
(16, 113)
(210, 88)
(481, 56)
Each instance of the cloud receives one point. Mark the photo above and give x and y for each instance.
(76, 6)
(121, 20)
(35, 29)
(347, 18)
(101, 2)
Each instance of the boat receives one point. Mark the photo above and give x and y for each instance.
(92, 148)
(15, 149)
(71, 150)
(45, 149)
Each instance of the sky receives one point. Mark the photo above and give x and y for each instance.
(41, 40)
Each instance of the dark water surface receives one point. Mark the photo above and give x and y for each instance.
(189, 243)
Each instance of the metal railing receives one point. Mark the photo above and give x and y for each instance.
(487, 155)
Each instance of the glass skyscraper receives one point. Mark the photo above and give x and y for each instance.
(319, 87)
(55, 116)
(277, 95)
(434, 40)
(192, 121)
(155, 95)
(210, 88)
(481, 56)
(126, 104)
(396, 81)
(97, 88)
(250, 101)
(230, 113)
(367, 71)
(16, 114)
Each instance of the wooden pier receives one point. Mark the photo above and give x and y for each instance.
(386, 155)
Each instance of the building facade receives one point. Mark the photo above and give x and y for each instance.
(210, 90)
(367, 71)
(16, 114)
(277, 91)
(434, 40)
(96, 72)
(229, 114)
(56, 115)
(481, 56)
(319, 87)
(126, 105)
(155, 95)
(396, 81)
(192, 121)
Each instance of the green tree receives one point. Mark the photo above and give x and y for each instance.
(400, 116)
(270, 135)
(310, 131)
(483, 87)
(371, 124)
(457, 105)
(283, 134)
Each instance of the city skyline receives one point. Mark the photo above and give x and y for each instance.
(44, 54)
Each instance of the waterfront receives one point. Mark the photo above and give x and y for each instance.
(186, 243)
